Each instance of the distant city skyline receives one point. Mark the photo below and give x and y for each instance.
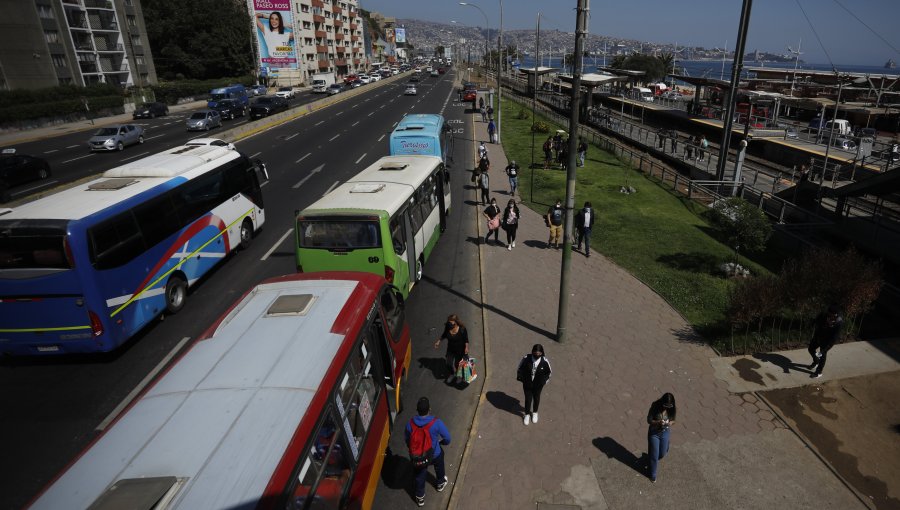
(774, 24)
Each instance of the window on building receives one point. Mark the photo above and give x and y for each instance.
(307, 25)
(308, 41)
(131, 20)
(136, 40)
(51, 36)
(139, 60)
(59, 60)
(304, 8)
(45, 11)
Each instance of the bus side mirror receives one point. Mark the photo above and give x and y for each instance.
(261, 169)
(399, 297)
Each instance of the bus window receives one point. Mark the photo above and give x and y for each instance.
(397, 237)
(339, 234)
(116, 241)
(357, 394)
(392, 310)
(33, 252)
(324, 472)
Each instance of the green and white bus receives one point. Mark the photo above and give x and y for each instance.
(385, 220)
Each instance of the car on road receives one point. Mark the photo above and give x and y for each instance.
(364, 79)
(335, 88)
(267, 105)
(150, 111)
(434, 72)
(410, 90)
(230, 108)
(374, 77)
(116, 138)
(844, 144)
(16, 169)
(285, 92)
(415, 78)
(203, 120)
(215, 142)
(355, 84)
(442, 70)
(258, 90)
(428, 69)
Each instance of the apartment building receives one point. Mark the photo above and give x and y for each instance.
(44, 43)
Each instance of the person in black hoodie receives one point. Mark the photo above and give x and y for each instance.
(584, 222)
(510, 223)
(534, 372)
(827, 333)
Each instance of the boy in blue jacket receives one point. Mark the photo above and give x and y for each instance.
(439, 436)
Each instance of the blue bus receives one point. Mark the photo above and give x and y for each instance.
(238, 92)
(422, 134)
(86, 268)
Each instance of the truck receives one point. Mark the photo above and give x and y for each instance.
(321, 82)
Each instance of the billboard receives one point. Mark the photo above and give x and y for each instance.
(275, 33)
(389, 35)
(400, 34)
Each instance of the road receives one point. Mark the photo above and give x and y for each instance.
(53, 407)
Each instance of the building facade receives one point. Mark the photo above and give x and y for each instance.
(45, 43)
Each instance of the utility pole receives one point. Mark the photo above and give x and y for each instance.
(580, 32)
(499, 68)
(732, 93)
(537, 63)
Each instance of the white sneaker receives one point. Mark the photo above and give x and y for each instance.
(514, 244)
(534, 417)
(527, 419)
(509, 247)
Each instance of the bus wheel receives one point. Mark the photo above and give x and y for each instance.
(176, 294)
(420, 269)
(246, 233)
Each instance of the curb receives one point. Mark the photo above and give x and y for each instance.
(473, 429)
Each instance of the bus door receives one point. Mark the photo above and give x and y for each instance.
(387, 360)
(411, 243)
(442, 196)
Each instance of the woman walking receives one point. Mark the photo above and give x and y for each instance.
(534, 372)
(492, 213)
(660, 418)
(510, 223)
(457, 344)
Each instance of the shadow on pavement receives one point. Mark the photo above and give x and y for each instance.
(504, 402)
(397, 472)
(437, 367)
(613, 450)
(531, 243)
(782, 362)
(689, 335)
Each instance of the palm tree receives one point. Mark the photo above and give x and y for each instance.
(618, 62)
(668, 61)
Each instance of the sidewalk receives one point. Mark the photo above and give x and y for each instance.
(626, 346)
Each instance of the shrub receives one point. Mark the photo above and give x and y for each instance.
(522, 115)
(742, 225)
(540, 127)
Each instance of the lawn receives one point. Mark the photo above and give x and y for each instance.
(658, 236)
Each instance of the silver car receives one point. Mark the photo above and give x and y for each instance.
(116, 138)
(204, 120)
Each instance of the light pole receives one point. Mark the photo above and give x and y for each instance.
(487, 27)
(499, 54)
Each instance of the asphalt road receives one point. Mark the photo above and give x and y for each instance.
(53, 407)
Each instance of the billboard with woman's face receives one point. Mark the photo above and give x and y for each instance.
(275, 33)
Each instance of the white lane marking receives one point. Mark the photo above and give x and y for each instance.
(254, 155)
(304, 157)
(141, 385)
(338, 113)
(320, 122)
(263, 184)
(277, 244)
(360, 158)
(395, 125)
(382, 106)
(43, 184)
(79, 157)
(315, 171)
(135, 156)
(152, 137)
(334, 137)
(293, 135)
(355, 123)
(72, 146)
(331, 188)
(370, 114)
(380, 139)
(50, 152)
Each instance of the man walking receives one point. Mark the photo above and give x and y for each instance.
(585, 222)
(704, 144)
(424, 436)
(492, 128)
(512, 171)
(582, 151)
(554, 220)
(826, 334)
(484, 184)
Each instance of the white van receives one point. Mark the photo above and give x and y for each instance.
(840, 127)
(644, 94)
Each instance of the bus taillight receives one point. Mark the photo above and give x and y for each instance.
(96, 325)
(388, 274)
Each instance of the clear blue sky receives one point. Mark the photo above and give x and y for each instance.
(774, 24)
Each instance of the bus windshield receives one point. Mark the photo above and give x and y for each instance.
(216, 97)
(33, 252)
(334, 233)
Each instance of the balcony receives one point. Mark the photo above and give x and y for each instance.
(318, 3)
(103, 23)
(88, 67)
(78, 22)
(340, 49)
(353, 26)
(321, 49)
(98, 4)
(318, 19)
(321, 34)
(108, 66)
(354, 38)
(338, 23)
(356, 61)
(102, 44)
(336, 9)
(340, 62)
(339, 37)
(323, 64)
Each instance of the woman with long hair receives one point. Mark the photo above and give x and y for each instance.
(457, 344)
(510, 223)
(660, 418)
(533, 372)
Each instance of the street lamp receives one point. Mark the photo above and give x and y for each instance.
(499, 53)
(487, 26)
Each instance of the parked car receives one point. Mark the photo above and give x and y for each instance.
(267, 105)
(285, 92)
(350, 78)
(203, 120)
(410, 90)
(16, 169)
(150, 111)
(866, 132)
(844, 143)
(230, 108)
(215, 142)
(259, 90)
(364, 79)
(434, 72)
(116, 138)
(374, 77)
(355, 84)
(335, 88)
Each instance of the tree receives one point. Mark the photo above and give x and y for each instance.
(743, 226)
(667, 60)
(653, 67)
(618, 62)
(439, 51)
(218, 47)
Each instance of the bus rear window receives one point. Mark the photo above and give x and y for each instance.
(341, 234)
(33, 252)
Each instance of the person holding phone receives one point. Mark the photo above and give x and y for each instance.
(661, 418)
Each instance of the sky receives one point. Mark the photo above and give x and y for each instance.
(774, 24)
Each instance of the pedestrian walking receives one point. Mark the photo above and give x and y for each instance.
(510, 223)
(512, 171)
(484, 184)
(564, 156)
(582, 151)
(457, 344)
(481, 102)
(554, 220)
(660, 139)
(704, 145)
(492, 129)
(482, 150)
(548, 152)
(492, 214)
(585, 222)
(689, 149)
(660, 419)
(534, 373)
(483, 113)
(826, 334)
(674, 142)
(425, 434)
(490, 112)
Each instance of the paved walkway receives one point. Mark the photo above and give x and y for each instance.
(626, 347)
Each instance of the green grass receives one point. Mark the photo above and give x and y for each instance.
(658, 236)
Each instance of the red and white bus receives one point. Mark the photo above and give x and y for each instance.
(286, 401)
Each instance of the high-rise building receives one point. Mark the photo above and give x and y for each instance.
(44, 43)
(327, 37)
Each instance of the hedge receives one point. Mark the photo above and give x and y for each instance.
(18, 97)
(60, 108)
(170, 92)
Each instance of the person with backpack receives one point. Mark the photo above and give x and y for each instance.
(533, 372)
(424, 436)
(492, 129)
(492, 213)
(554, 219)
(490, 112)
(512, 171)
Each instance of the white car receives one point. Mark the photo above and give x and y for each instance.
(434, 72)
(364, 79)
(410, 90)
(285, 92)
(374, 77)
(429, 69)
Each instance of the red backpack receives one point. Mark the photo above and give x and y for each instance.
(421, 446)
